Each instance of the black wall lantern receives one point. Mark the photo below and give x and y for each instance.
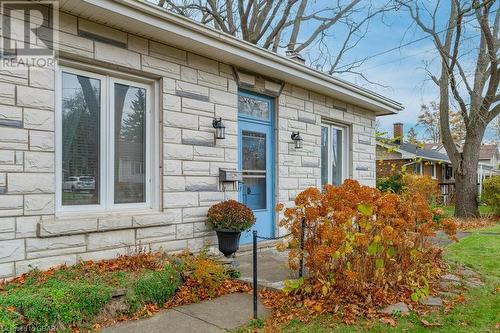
(220, 129)
(297, 139)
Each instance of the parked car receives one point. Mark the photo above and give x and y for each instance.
(81, 183)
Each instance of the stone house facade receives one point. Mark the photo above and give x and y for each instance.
(44, 179)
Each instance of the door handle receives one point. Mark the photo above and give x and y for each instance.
(249, 191)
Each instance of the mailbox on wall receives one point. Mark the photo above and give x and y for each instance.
(230, 175)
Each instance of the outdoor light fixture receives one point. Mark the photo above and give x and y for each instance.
(220, 129)
(297, 139)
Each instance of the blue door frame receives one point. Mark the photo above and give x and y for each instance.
(254, 134)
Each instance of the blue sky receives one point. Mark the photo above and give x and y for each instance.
(402, 70)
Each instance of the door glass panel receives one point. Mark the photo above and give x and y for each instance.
(81, 109)
(254, 169)
(255, 192)
(130, 113)
(253, 107)
(337, 156)
(254, 150)
(324, 156)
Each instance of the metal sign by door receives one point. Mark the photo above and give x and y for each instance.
(256, 160)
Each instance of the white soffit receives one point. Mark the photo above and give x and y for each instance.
(146, 19)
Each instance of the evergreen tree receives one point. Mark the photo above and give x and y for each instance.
(133, 124)
(412, 136)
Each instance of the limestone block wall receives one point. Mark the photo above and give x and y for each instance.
(193, 90)
(305, 111)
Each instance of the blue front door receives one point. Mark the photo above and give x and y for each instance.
(256, 160)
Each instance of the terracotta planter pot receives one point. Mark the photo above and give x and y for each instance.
(229, 241)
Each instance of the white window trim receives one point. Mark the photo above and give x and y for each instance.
(420, 168)
(434, 171)
(345, 149)
(106, 179)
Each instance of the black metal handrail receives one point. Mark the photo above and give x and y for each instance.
(254, 259)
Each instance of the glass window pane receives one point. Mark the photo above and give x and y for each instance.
(324, 156)
(337, 156)
(81, 108)
(253, 107)
(254, 150)
(254, 192)
(254, 166)
(130, 141)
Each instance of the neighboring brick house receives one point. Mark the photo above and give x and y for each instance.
(421, 159)
(114, 150)
(430, 159)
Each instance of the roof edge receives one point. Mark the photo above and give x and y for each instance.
(414, 155)
(380, 104)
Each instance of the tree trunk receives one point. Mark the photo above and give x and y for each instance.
(466, 191)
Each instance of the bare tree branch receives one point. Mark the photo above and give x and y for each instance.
(326, 25)
(267, 22)
(296, 25)
(478, 102)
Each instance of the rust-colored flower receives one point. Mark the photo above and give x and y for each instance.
(230, 215)
(359, 243)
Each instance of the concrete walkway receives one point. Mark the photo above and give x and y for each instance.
(442, 240)
(231, 311)
(219, 315)
(272, 268)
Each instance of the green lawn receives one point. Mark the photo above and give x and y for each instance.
(495, 228)
(450, 210)
(76, 295)
(479, 313)
(78, 198)
(480, 251)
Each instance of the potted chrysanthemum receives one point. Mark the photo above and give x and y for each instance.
(229, 218)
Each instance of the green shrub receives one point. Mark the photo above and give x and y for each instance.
(9, 321)
(203, 276)
(491, 193)
(57, 303)
(62, 299)
(154, 287)
(393, 184)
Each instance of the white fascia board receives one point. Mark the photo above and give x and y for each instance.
(433, 159)
(487, 166)
(147, 19)
(407, 155)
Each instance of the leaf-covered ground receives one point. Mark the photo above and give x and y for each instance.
(483, 210)
(84, 296)
(476, 310)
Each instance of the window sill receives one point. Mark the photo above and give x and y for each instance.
(104, 213)
(74, 224)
